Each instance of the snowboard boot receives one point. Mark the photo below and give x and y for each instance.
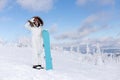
(38, 67)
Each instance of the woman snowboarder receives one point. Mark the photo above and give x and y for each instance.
(35, 26)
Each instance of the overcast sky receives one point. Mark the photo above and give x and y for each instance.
(65, 19)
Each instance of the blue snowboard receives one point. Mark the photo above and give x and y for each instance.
(46, 42)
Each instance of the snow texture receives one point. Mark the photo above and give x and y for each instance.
(15, 64)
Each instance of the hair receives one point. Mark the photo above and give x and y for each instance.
(39, 21)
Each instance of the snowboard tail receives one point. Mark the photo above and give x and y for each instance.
(48, 58)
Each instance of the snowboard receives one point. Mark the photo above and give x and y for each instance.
(46, 43)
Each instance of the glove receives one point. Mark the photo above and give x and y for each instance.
(31, 23)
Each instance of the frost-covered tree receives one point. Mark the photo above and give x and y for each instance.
(2, 42)
(23, 42)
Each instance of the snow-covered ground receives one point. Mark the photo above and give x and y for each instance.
(15, 64)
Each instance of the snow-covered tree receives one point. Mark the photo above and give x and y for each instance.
(2, 42)
(23, 42)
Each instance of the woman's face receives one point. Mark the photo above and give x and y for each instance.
(36, 21)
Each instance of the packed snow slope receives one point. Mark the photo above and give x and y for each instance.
(15, 64)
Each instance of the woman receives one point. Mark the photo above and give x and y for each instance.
(35, 26)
